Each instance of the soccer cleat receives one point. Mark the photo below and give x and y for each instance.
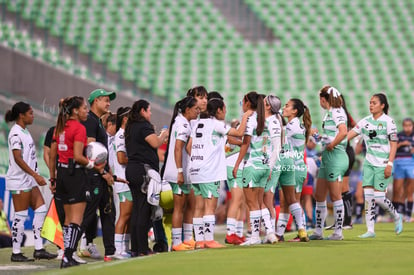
(77, 259)
(43, 254)
(335, 237)
(19, 257)
(399, 224)
(60, 254)
(190, 243)
(68, 262)
(242, 238)
(294, 240)
(213, 244)
(252, 241)
(233, 239)
(84, 253)
(315, 237)
(367, 235)
(303, 235)
(109, 258)
(200, 245)
(270, 238)
(93, 251)
(280, 239)
(182, 247)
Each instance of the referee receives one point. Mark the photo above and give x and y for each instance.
(100, 185)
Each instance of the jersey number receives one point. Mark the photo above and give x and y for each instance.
(199, 134)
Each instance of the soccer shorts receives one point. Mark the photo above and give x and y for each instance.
(271, 185)
(254, 178)
(71, 185)
(125, 196)
(404, 168)
(373, 176)
(334, 165)
(207, 190)
(178, 190)
(286, 167)
(234, 182)
(300, 176)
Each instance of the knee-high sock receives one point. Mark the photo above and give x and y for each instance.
(209, 225)
(231, 226)
(176, 236)
(369, 209)
(119, 241)
(198, 229)
(338, 207)
(125, 246)
(281, 223)
(296, 211)
(347, 200)
(239, 228)
(188, 231)
(266, 221)
(255, 223)
(385, 204)
(73, 232)
(409, 209)
(18, 229)
(321, 213)
(38, 219)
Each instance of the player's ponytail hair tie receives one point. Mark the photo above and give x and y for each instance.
(334, 92)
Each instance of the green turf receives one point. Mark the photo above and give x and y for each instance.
(386, 254)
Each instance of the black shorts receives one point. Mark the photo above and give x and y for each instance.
(71, 185)
(351, 156)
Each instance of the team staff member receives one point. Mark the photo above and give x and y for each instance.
(71, 180)
(100, 185)
(22, 179)
(380, 136)
(141, 146)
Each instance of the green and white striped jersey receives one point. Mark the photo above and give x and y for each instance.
(333, 118)
(296, 137)
(377, 135)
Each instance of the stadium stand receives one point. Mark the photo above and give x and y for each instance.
(361, 47)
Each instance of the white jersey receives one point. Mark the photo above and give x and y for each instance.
(16, 178)
(296, 137)
(333, 118)
(180, 130)
(119, 169)
(111, 151)
(377, 134)
(207, 162)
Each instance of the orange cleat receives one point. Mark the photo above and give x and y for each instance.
(182, 247)
(213, 244)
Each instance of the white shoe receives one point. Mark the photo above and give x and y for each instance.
(335, 237)
(270, 238)
(252, 241)
(60, 254)
(119, 256)
(94, 251)
(78, 259)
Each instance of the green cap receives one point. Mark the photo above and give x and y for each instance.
(100, 92)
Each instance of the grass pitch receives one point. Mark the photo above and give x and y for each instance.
(385, 254)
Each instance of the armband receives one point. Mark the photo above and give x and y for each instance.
(393, 137)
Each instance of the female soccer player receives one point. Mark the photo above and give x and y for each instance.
(334, 162)
(122, 235)
(176, 164)
(296, 136)
(22, 179)
(380, 135)
(255, 156)
(404, 170)
(207, 159)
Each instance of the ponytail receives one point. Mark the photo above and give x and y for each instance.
(303, 111)
(213, 105)
(65, 111)
(16, 110)
(120, 114)
(257, 104)
(331, 95)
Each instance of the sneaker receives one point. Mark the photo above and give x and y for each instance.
(399, 224)
(213, 244)
(182, 247)
(43, 254)
(270, 238)
(331, 227)
(367, 235)
(77, 259)
(19, 257)
(242, 238)
(68, 263)
(252, 241)
(93, 251)
(303, 235)
(335, 237)
(109, 258)
(280, 239)
(233, 239)
(60, 254)
(200, 245)
(84, 253)
(190, 243)
(126, 254)
(315, 237)
(347, 227)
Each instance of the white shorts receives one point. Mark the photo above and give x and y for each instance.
(15, 185)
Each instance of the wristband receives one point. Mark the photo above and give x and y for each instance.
(390, 164)
(90, 164)
(180, 170)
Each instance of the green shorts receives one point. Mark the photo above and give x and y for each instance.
(16, 192)
(254, 178)
(178, 190)
(207, 190)
(373, 176)
(272, 183)
(125, 196)
(286, 167)
(334, 165)
(234, 182)
(301, 173)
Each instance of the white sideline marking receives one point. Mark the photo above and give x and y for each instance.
(20, 267)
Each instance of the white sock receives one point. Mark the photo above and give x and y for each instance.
(83, 244)
(231, 226)
(209, 224)
(198, 229)
(303, 219)
(176, 236)
(338, 208)
(273, 222)
(38, 219)
(255, 223)
(119, 243)
(266, 221)
(386, 204)
(239, 228)
(321, 213)
(296, 211)
(369, 209)
(188, 231)
(125, 246)
(18, 229)
(282, 223)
